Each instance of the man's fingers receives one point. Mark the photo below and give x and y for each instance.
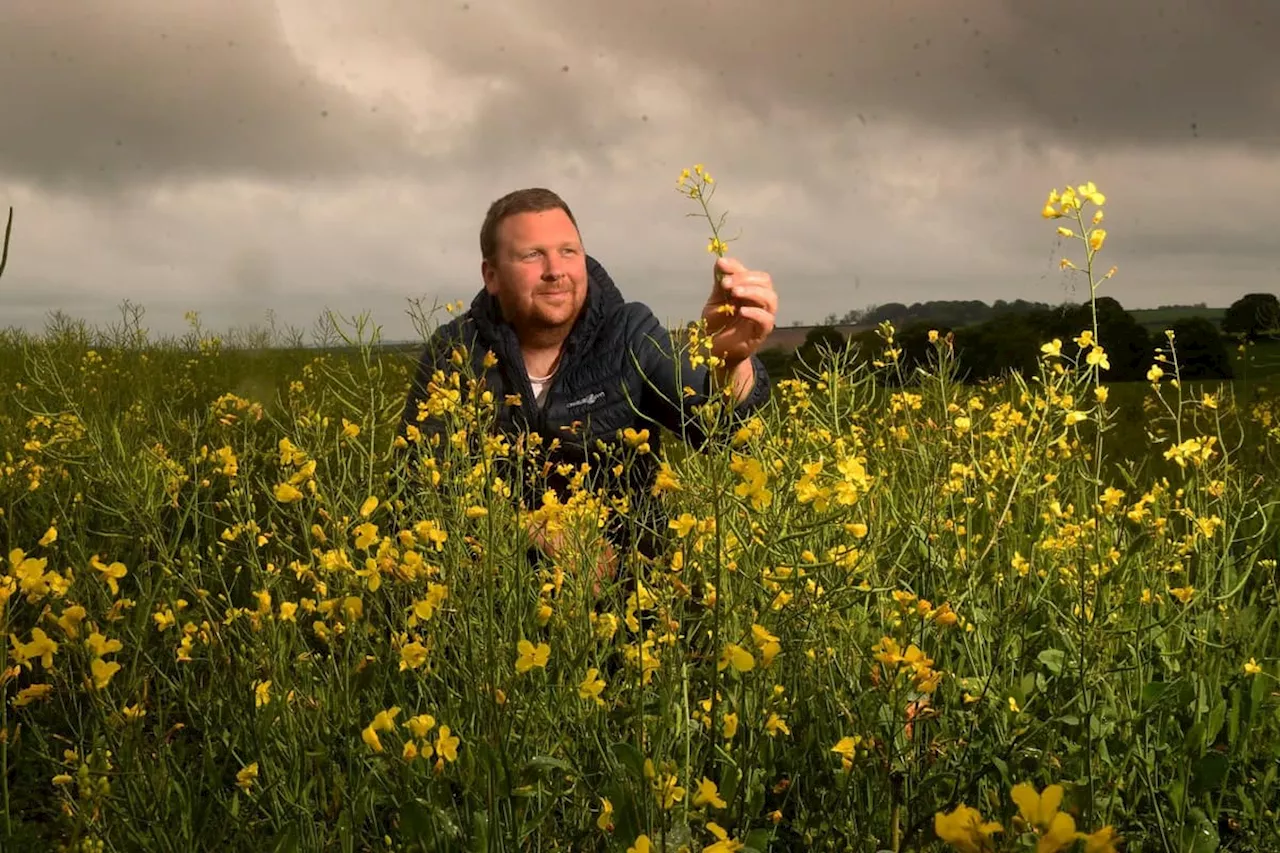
(755, 294)
(760, 316)
(729, 266)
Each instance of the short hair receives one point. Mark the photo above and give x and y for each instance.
(532, 200)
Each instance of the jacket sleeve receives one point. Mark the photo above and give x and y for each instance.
(667, 376)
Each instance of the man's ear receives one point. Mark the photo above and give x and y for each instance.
(489, 273)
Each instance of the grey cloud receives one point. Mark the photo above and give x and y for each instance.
(132, 92)
(1095, 71)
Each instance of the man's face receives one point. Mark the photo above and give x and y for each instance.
(539, 274)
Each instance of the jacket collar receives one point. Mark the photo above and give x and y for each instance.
(603, 300)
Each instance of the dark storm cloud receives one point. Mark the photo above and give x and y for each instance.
(127, 92)
(1095, 71)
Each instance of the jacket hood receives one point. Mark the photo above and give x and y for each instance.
(603, 299)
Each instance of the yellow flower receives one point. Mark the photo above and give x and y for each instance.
(1251, 667)
(741, 659)
(847, 747)
(724, 844)
(767, 642)
(1090, 192)
(708, 794)
(287, 493)
(102, 672)
(965, 830)
(1040, 810)
(41, 647)
(591, 687)
(412, 656)
(246, 776)
(33, 693)
(383, 721)
(100, 646)
(668, 791)
(528, 655)
(366, 536)
(642, 845)
(776, 724)
(110, 574)
(261, 693)
(447, 744)
(70, 620)
(605, 820)
(1102, 841)
(420, 725)
(369, 505)
(50, 536)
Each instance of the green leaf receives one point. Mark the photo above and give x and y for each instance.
(1199, 835)
(1153, 692)
(415, 820)
(1210, 772)
(757, 841)
(1214, 725)
(1233, 717)
(1053, 660)
(1256, 696)
(287, 840)
(629, 757)
(480, 831)
(728, 785)
(546, 762)
(1193, 743)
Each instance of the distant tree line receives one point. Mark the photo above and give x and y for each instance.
(960, 312)
(1007, 336)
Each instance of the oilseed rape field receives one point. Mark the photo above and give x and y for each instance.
(242, 610)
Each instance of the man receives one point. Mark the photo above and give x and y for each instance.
(581, 362)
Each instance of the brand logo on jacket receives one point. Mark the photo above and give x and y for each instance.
(594, 397)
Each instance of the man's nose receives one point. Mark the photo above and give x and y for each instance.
(552, 269)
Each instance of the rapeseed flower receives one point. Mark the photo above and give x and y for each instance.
(529, 656)
(965, 830)
(383, 721)
(1056, 829)
(247, 775)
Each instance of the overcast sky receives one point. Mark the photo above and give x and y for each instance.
(235, 156)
